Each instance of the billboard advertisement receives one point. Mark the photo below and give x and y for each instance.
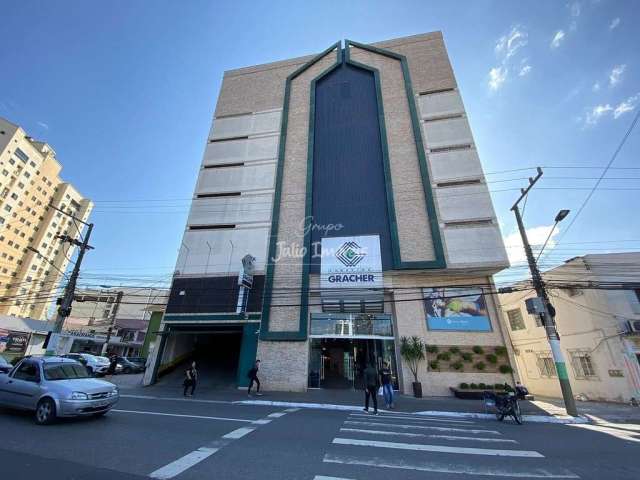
(14, 342)
(351, 262)
(457, 309)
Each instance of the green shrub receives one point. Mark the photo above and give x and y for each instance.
(508, 387)
(431, 348)
(491, 358)
(434, 365)
(500, 351)
(499, 386)
(457, 365)
(444, 356)
(505, 369)
(480, 365)
(473, 386)
(482, 386)
(454, 350)
(477, 349)
(464, 386)
(466, 357)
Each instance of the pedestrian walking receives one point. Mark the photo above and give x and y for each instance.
(253, 377)
(387, 384)
(190, 380)
(371, 385)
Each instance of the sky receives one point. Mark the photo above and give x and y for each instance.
(124, 91)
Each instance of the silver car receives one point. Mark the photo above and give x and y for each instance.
(55, 387)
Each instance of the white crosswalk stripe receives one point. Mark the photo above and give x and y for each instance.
(425, 444)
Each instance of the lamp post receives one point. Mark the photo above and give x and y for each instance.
(548, 312)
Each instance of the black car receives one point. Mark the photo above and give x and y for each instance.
(128, 366)
(5, 367)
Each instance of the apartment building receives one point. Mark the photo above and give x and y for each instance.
(598, 319)
(353, 180)
(31, 257)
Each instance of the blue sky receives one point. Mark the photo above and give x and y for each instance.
(124, 91)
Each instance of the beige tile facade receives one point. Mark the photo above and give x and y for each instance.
(29, 181)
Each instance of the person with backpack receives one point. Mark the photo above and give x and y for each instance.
(253, 377)
(371, 385)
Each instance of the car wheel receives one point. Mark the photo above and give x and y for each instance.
(126, 370)
(45, 412)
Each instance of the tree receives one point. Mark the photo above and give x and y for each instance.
(413, 352)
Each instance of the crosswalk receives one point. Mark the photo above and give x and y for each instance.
(370, 447)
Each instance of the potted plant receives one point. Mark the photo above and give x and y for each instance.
(413, 352)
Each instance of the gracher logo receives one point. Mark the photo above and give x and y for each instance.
(350, 254)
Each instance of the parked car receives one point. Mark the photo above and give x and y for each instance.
(5, 367)
(128, 366)
(96, 366)
(55, 387)
(142, 361)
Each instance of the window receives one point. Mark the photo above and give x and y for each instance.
(33, 164)
(546, 366)
(5, 172)
(516, 322)
(582, 365)
(14, 196)
(1, 220)
(20, 185)
(28, 371)
(537, 319)
(27, 174)
(21, 155)
(7, 208)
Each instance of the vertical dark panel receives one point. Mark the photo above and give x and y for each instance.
(348, 175)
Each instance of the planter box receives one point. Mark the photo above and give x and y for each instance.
(476, 394)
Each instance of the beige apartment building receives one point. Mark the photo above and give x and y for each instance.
(31, 257)
(599, 329)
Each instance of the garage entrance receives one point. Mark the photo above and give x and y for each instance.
(223, 354)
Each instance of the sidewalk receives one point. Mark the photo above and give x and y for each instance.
(595, 411)
(341, 400)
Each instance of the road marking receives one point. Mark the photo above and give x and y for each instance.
(184, 416)
(176, 399)
(184, 463)
(262, 421)
(423, 419)
(630, 436)
(438, 448)
(322, 477)
(292, 410)
(448, 468)
(422, 427)
(239, 433)
(423, 435)
(277, 414)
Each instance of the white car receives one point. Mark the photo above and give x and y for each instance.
(96, 366)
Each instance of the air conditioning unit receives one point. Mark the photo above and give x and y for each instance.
(634, 326)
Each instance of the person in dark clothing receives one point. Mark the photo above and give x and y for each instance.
(521, 391)
(371, 385)
(190, 380)
(387, 385)
(253, 377)
(113, 363)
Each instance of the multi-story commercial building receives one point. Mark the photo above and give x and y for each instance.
(599, 326)
(31, 258)
(353, 179)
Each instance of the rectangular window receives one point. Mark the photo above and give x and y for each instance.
(537, 319)
(7, 208)
(5, 172)
(21, 155)
(546, 366)
(583, 365)
(516, 322)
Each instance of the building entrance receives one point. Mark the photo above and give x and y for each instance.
(342, 346)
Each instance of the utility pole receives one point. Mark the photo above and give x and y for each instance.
(547, 311)
(105, 346)
(64, 309)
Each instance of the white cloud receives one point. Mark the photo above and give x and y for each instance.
(626, 106)
(557, 38)
(575, 8)
(536, 235)
(524, 70)
(616, 74)
(597, 112)
(596, 87)
(614, 23)
(508, 45)
(43, 125)
(497, 76)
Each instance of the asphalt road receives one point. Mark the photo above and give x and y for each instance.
(199, 439)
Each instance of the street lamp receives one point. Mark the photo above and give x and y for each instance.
(562, 214)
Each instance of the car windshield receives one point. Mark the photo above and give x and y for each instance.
(64, 371)
(102, 359)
